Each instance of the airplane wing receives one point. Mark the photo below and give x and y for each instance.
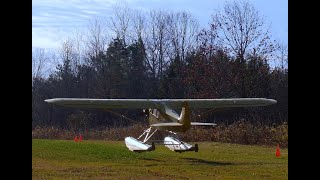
(157, 103)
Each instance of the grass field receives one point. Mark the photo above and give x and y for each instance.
(61, 159)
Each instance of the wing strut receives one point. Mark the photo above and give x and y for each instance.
(136, 145)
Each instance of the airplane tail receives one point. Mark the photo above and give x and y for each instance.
(185, 115)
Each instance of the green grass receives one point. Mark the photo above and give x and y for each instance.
(61, 159)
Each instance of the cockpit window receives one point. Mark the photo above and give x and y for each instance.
(155, 112)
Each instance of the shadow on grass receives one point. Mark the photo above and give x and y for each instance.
(211, 163)
(152, 159)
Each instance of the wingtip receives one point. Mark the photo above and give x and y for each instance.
(272, 101)
(49, 100)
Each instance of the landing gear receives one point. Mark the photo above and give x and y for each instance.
(136, 145)
(177, 145)
(172, 142)
(146, 132)
(196, 148)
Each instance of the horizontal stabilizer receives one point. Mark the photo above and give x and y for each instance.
(202, 124)
(172, 124)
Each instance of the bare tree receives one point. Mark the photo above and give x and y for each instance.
(183, 29)
(120, 22)
(243, 30)
(96, 39)
(72, 49)
(139, 24)
(283, 56)
(157, 42)
(39, 60)
(67, 50)
(78, 47)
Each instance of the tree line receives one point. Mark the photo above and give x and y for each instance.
(161, 54)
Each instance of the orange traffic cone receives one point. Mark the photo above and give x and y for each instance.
(278, 151)
(80, 138)
(76, 139)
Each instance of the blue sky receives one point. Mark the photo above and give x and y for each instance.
(53, 21)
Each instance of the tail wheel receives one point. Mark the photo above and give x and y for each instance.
(153, 147)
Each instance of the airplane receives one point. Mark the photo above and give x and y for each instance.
(162, 116)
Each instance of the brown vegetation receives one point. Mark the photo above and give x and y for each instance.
(240, 132)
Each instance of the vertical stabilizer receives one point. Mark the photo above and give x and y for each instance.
(185, 115)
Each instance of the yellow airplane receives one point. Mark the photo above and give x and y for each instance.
(162, 116)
